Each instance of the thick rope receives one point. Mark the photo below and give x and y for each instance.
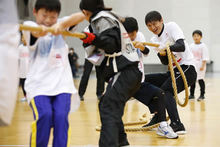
(134, 129)
(39, 29)
(170, 65)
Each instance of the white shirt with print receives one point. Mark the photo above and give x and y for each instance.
(201, 53)
(49, 71)
(171, 33)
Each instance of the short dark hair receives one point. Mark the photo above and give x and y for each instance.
(93, 5)
(197, 32)
(152, 16)
(130, 24)
(49, 5)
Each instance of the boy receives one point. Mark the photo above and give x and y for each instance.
(148, 94)
(163, 33)
(201, 55)
(131, 26)
(49, 83)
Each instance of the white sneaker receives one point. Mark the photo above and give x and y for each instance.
(165, 130)
(24, 99)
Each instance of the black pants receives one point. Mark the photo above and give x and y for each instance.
(202, 88)
(111, 106)
(74, 70)
(152, 97)
(164, 81)
(85, 78)
(22, 81)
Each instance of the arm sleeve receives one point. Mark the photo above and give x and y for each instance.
(179, 46)
(108, 35)
(145, 51)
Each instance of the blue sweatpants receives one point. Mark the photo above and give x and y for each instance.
(50, 111)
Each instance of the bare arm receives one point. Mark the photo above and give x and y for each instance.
(74, 19)
(203, 65)
(40, 33)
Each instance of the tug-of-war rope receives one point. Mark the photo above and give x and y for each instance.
(171, 60)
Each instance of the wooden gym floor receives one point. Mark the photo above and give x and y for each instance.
(201, 120)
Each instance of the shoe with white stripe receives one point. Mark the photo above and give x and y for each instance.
(165, 130)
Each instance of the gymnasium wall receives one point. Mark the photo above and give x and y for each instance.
(188, 14)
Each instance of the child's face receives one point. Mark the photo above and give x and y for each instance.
(155, 26)
(132, 35)
(46, 18)
(197, 38)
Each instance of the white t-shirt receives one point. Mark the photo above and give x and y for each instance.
(201, 53)
(171, 34)
(23, 60)
(49, 70)
(140, 37)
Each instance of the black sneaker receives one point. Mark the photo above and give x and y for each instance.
(178, 128)
(191, 97)
(154, 120)
(81, 98)
(201, 97)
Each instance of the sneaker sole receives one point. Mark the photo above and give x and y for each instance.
(161, 134)
(181, 132)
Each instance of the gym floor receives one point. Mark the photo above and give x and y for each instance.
(201, 120)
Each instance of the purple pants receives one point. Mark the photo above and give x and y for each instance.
(50, 112)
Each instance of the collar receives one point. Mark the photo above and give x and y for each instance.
(161, 31)
(94, 14)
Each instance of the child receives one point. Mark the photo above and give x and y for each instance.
(23, 65)
(137, 37)
(148, 94)
(49, 83)
(201, 55)
(170, 32)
